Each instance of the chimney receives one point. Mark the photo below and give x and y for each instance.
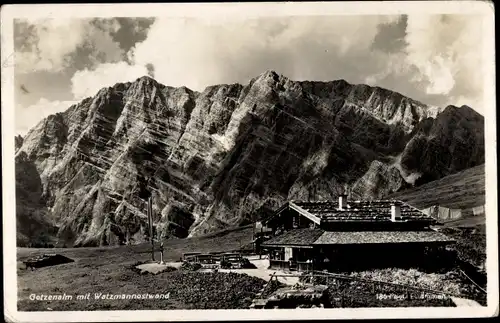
(342, 201)
(395, 212)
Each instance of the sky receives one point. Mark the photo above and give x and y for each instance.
(434, 59)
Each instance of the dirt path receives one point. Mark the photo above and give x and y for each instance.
(156, 268)
(262, 272)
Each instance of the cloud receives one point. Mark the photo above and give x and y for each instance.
(198, 53)
(27, 118)
(151, 70)
(441, 59)
(446, 50)
(432, 58)
(51, 44)
(65, 58)
(435, 59)
(88, 82)
(132, 30)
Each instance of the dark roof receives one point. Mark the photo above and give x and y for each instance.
(296, 237)
(357, 237)
(362, 211)
(309, 237)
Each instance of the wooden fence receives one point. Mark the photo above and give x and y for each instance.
(234, 258)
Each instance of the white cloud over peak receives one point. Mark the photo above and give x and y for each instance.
(197, 53)
(88, 82)
(28, 117)
(447, 50)
(435, 59)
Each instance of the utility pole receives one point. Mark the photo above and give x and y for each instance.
(161, 253)
(253, 233)
(261, 237)
(150, 219)
(146, 195)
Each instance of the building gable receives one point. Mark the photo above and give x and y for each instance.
(286, 214)
(305, 213)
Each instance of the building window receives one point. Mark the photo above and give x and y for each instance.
(278, 255)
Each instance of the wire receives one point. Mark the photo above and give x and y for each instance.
(476, 284)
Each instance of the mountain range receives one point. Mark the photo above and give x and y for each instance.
(225, 156)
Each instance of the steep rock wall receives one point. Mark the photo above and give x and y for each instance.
(233, 152)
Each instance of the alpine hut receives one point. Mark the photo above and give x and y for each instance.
(351, 234)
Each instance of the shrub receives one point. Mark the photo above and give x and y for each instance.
(190, 266)
(219, 290)
(246, 264)
(224, 264)
(439, 282)
(169, 269)
(271, 287)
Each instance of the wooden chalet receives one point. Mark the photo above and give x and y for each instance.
(348, 234)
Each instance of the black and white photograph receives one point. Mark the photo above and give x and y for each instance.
(249, 160)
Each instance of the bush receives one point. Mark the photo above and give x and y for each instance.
(413, 277)
(246, 264)
(218, 290)
(191, 266)
(271, 287)
(169, 269)
(354, 293)
(224, 264)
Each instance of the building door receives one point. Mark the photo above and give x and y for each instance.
(288, 253)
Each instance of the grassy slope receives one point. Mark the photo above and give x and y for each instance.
(462, 190)
(107, 270)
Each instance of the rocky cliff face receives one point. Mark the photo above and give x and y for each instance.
(34, 223)
(233, 152)
(18, 142)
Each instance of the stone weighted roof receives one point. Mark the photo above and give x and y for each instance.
(362, 211)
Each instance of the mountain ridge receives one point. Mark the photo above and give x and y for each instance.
(222, 156)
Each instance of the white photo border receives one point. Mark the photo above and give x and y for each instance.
(237, 11)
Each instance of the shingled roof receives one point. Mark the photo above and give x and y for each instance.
(297, 237)
(377, 211)
(360, 211)
(371, 237)
(310, 237)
